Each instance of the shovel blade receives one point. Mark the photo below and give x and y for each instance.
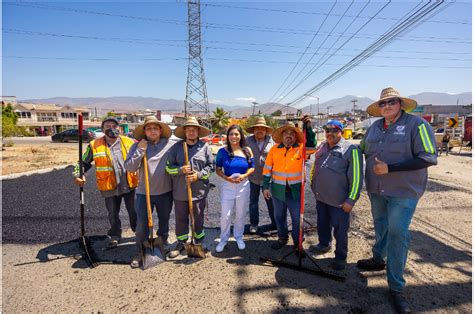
(195, 250)
(88, 255)
(152, 253)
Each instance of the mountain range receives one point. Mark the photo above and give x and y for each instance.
(130, 104)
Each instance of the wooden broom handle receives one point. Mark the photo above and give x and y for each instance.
(147, 191)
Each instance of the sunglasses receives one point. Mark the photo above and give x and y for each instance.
(390, 102)
(331, 130)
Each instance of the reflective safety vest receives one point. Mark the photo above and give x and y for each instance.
(104, 168)
(283, 167)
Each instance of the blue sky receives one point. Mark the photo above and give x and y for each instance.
(100, 49)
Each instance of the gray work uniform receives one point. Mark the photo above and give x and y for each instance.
(337, 175)
(260, 151)
(160, 184)
(409, 137)
(201, 160)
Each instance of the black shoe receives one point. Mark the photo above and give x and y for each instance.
(279, 244)
(253, 229)
(177, 250)
(320, 249)
(399, 302)
(338, 264)
(370, 264)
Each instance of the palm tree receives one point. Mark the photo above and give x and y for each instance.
(220, 120)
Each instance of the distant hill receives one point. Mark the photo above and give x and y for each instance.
(122, 103)
(443, 98)
(129, 103)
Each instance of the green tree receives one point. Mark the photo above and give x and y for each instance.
(276, 113)
(252, 120)
(9, 119)
(110, 114)
(220, 120)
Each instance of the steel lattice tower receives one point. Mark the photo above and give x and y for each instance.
(196, 102)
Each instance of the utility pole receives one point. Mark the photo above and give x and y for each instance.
(354, 106)
(328, 107)
(254, 104)
(196, 94)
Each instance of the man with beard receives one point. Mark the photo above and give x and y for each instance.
(113, 180)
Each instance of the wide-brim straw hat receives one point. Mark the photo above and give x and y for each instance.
(260, 122)
(191, 121)
(278, 133)
(139, 132)
(407, 104)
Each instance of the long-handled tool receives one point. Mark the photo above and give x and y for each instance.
(84, 242)
(193, 249)
(301, 252)
(151, 248)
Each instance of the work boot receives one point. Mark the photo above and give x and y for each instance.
(338, 264)
(279, 244)
(320, 249)
(399, 302)
(177, 250)
(370, 264)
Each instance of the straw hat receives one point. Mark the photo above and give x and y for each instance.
(387, 93)
(260, 122)
(139, 132)
(191, 121)
(278, 133)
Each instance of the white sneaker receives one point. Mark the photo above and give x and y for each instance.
(241, 244)
(220, 247)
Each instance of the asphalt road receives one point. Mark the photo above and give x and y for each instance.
(44, 208)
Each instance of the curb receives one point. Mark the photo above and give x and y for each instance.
(29, 173)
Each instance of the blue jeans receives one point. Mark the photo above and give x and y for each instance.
(163, 203)
(280, 209)
(392, 217)
(334, 219)
(253, 208)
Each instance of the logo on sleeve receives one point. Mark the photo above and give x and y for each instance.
(400, 130)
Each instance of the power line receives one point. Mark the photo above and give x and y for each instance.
(318, 13)
(347, 28)
(224, 26)
(301, 57)
(229, 60)
(408, 23)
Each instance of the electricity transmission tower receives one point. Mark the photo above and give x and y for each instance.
(196, 102)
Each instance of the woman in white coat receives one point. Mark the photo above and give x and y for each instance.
(234, 163)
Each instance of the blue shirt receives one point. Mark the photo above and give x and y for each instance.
(237, 164)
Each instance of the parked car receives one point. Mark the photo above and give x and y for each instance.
(73, 135)
(214, 139)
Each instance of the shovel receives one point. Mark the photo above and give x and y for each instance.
(84, 242)
(152, 248)
(193, 249)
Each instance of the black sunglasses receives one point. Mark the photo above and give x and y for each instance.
(331, 130)
(390, 102)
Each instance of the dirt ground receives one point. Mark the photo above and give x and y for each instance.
(438, 274)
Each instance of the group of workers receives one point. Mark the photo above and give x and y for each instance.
(397, 150)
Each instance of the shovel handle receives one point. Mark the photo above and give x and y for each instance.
(190, 194)
(147, 191)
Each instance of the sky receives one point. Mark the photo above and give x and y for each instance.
(250, 49)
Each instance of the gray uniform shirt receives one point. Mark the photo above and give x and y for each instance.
(157, 155)
(201, 161)
(337, 173)
(409, 137)
(260, 151)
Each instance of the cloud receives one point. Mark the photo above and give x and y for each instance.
(250, 99)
